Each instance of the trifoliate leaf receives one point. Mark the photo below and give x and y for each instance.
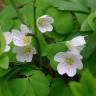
(35, 84)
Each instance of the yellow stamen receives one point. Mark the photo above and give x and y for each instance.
(69, 60)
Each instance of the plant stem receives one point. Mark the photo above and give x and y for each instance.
(36, 33)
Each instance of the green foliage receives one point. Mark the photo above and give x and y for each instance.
(69, 6)
(62, 24)
(4, 61)
(35, 84)
(86, 87)
(71, 18)
(91, 43)
(2, 43)
(58, 88)
(89, 23)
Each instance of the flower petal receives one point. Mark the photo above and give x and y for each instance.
(59, 57)
(71, 72)
(24, 53)
(24, 29)
(49, 27)
(8, 37)
(61, 68)
(17, 38)
(78, 41)
(78, 64)
(48, 19)
(20, 58)
(42, 29)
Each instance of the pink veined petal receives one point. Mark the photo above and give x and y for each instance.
(61, 68)
(71, 72)
(59, 57)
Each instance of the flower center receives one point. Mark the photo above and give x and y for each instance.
(27, 39)
(27, 50)
(69, 60)
(41, 22)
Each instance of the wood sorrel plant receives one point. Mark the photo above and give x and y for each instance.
(47, 48)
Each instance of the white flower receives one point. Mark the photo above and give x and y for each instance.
(69, 62)
(44, 23)
(8, 39)
(24, 54)
(76, 44)
(20, 38)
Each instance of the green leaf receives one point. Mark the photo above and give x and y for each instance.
(2, 42)
(54, 37)
(41, 7)
(3, 72)
(85, 26)
(8, 12)
(26, 13)
(18, 86)
(62, 24)
(86, 87)
(69, 6)
(90, 22)
(90, 46)
(4, 85)
(58, 88)
(90, 63)
(89, 3)
(81, 17)
(22, 2)
(36, 84)
(4, 61)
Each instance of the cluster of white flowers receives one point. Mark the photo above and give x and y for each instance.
(23, 47)
(70, 61)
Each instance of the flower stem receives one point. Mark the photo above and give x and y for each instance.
(36, 33)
